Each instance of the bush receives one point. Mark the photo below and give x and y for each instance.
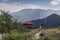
(18, 37)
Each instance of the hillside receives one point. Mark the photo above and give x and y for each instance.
(49, 22)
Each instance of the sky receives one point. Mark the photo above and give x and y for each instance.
(17, 5)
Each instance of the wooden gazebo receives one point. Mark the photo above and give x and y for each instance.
(28, 25)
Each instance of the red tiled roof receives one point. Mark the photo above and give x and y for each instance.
(28, 22)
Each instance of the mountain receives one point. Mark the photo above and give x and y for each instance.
(48, 18)
(33, 14)
(49, 22)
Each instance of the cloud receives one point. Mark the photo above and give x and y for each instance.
(55, 2)
(9, 7)
(17, 7)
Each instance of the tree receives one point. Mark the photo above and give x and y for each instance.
(7, 23)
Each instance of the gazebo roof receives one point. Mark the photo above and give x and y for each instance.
(28, 22)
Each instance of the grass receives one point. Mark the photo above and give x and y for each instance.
(49, 34)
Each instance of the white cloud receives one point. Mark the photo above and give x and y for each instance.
(55, 2)
(9, 7)
(14, 7)
(32, 6)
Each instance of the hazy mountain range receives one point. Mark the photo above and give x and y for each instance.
(33, 14)
(49, 18)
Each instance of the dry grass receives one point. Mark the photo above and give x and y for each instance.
(31, 33)
(44, 31)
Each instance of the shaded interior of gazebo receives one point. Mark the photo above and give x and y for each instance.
(28, 25)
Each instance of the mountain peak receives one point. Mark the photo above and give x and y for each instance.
(54, 15)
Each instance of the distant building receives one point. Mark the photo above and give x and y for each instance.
(28, 25)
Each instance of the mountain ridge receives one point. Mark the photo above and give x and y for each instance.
(33, 14)
(49, 22)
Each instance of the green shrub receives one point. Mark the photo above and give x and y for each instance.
(18, 37)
